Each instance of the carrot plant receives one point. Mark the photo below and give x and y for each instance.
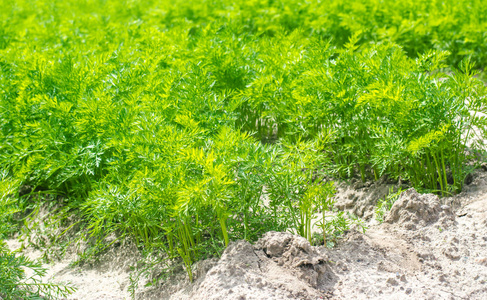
(15, 282)
(186, 125)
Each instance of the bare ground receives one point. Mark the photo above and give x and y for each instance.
(427, 248)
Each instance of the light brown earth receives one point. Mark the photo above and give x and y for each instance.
(427, 248)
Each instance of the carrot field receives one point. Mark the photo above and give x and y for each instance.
(184, 125)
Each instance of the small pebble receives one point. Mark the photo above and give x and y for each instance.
(445, 207)
(482, 261)
(392, 281)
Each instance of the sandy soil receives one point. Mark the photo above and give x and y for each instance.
(427, 248)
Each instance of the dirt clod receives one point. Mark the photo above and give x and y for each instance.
(413, 209)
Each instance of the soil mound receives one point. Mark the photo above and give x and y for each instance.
(360, 197)
(413, 209)
(279, 266)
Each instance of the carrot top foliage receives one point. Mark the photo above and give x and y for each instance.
(187, 124)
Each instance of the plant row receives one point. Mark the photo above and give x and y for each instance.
(186, 128)
(459, 27)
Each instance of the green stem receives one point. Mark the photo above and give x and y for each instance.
(438, 170)
(430, 171)
(224, 229)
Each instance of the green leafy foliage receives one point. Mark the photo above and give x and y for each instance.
(21, 277)
(16, 284)
(184, 125)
